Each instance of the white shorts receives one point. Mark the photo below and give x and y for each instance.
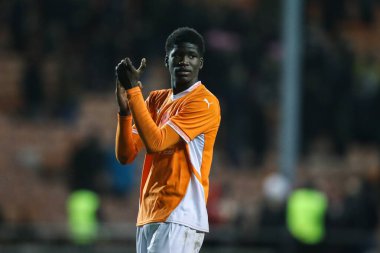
(168, 238)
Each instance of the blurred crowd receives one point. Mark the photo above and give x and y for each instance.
(58, 114)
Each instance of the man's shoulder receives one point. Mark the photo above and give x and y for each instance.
(202, 100)
(160, 92)
(158, 95)
(204, 93)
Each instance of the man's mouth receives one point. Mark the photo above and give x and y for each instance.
(182, 71)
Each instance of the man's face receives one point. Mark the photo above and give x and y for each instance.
(184, 62)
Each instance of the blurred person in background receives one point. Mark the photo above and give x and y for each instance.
(305, 218)
(361, 196)
(365, 100)
(178, 127)
(122, 177)
(32, 87)
(272, 221)
(87, 165)
(83, 207)
(86, 182)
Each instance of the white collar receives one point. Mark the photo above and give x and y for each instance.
(187, 91)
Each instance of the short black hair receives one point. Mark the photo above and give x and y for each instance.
(185, 35)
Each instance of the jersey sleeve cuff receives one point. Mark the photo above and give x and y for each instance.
(124, 119)
(133, 91)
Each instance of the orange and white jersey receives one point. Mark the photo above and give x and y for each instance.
(175, 182)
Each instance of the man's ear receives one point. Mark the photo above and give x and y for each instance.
(201, 63)
(166, 61)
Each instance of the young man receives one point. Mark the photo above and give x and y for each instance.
(177, 127)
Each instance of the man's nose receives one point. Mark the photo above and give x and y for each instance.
(184, 61)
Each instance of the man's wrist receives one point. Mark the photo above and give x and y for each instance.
(133, 92)
(129, 85)
(124, 112)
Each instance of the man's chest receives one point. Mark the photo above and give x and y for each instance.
(166, 110)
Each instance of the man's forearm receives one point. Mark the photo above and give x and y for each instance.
(126, 148)
(154, 138)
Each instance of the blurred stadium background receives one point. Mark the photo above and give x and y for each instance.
(58, 119)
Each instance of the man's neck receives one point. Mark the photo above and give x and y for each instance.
(179, 87)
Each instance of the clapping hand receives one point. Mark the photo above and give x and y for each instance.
(128, 75)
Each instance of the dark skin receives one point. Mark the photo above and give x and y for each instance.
(183, 62)
(127, 77)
